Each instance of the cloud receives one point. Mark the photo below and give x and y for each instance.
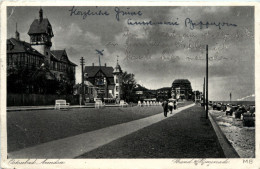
(159, 54)
(247, 97)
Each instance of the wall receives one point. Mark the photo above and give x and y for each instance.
(39, 99)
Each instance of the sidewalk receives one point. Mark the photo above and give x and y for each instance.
(185, 135)
(75, 146)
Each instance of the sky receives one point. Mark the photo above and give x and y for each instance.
(160, 53)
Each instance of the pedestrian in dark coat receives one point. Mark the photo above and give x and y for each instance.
(174, 105)
(165, 108)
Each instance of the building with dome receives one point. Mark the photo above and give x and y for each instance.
(103, 82)
(181, 89)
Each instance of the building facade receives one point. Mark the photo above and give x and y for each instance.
(41, 33)
(164, 93)
(103, 82)
(37, 59)
(181, 89)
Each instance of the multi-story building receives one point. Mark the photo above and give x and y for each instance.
(37, 58)
(41, 33)
(164, 93)
(181, 89)
(104, 81)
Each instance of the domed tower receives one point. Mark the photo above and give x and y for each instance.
(40, 33)
(118, 80)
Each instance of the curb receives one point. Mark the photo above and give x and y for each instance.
(43, 108)
(52, 108)
(226, 146)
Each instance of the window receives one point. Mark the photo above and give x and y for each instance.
(47, 53)
(27, 59)
(18, 59)
(116, 80)
(117, 88)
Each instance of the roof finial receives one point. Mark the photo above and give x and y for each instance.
(117, 60)
(17, 35)
(40, 15)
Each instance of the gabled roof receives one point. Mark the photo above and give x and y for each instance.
(93, 70)
(43, 27)
(57, 55)
(21, 47)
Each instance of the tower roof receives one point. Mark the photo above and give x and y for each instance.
(117, 68)
(41, 26)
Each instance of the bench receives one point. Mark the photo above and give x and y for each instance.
(139, 103)
(123, 103)
(99, 104)
(61, 104)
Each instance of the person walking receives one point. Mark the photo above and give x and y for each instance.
(170, 106)
(175, 104)
(165, 108)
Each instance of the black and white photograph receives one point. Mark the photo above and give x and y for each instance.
(116, 82)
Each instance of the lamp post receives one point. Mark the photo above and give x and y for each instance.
(81, 99)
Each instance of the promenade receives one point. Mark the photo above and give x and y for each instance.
(184, 134)
(74, 146)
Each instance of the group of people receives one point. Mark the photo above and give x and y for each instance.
(169, 105)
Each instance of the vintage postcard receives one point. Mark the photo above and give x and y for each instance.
(129, 85)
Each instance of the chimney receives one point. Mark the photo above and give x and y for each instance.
(93, 64)
(105, 64)
(40, 15)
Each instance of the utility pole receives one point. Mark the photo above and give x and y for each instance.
(81, 100)
(204, 93)
(195, 97)
(207, 84)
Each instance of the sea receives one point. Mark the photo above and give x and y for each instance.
(248, 103)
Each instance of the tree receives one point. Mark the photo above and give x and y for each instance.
(17, 79)
(128, 84)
